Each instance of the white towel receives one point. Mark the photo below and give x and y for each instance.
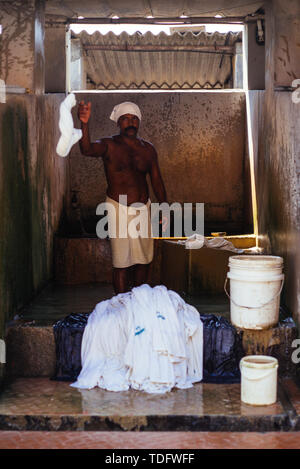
(69, 135)
(197, 241)
(148, 339)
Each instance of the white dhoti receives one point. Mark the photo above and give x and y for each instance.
(130, 233)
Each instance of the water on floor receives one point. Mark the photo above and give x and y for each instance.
(43, 404)
(57, 301)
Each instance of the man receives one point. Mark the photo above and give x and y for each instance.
(127, 160)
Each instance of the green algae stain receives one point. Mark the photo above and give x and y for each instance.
(15, 213)
(24, 266)
(39, 208)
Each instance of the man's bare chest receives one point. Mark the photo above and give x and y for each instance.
(125, 158)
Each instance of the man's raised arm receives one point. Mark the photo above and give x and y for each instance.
(88, 148)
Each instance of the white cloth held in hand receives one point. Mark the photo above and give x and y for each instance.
(69, 135)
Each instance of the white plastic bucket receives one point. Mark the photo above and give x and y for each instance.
(258, 379)
(255, 286)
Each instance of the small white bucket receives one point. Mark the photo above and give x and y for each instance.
(258, 379)
(255, 286)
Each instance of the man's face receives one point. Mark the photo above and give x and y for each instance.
(129, 125)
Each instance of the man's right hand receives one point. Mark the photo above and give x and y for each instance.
(84, 111)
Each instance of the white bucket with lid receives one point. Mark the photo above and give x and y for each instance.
(259, 379)
(255, 286)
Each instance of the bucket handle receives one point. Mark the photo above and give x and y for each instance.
(268, 373)
(252, 307)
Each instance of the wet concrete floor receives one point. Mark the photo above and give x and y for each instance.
(42, 404)
(57, 301)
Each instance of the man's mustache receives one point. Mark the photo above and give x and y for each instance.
(131, 127)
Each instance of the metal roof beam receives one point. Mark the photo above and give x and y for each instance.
(159, 48)
(162, 21)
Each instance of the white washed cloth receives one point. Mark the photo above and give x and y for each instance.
(69, 135)
(148, 339)
(197, 241)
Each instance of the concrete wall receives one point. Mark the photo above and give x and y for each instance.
(77, 66)
(278, 162)
(200, 140)
(55, 59)
(284, 34)
(33, 184)
(22, 34)
(279, 190)
(254, 76)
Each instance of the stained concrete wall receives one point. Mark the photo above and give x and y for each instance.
(55, 59)
(284, 34)
(278, 161)
(22, 58)
(254, 76)
(33, 184)
(199, 138)
(279, 190)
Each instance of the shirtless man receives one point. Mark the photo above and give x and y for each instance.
(127, 161)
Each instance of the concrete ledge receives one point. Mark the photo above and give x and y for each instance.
(276, 342)
(193, 271)
(191, 423)
(88, 260)
(31, 349)
(82, 260)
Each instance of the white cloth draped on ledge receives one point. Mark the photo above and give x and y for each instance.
(148, 339)
(197, 241)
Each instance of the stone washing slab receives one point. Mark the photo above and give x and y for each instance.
(211, 423)
(39, 404)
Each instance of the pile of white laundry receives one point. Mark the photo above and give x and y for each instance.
(148, 339)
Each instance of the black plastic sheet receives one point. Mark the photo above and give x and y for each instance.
(68, 334)
(222, 348)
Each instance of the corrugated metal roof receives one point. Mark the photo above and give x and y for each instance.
(187, 68)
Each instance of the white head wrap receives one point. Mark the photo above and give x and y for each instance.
(125, 108)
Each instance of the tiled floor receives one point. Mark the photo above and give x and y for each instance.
(148, 440)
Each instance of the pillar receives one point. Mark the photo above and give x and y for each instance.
(56, 42)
